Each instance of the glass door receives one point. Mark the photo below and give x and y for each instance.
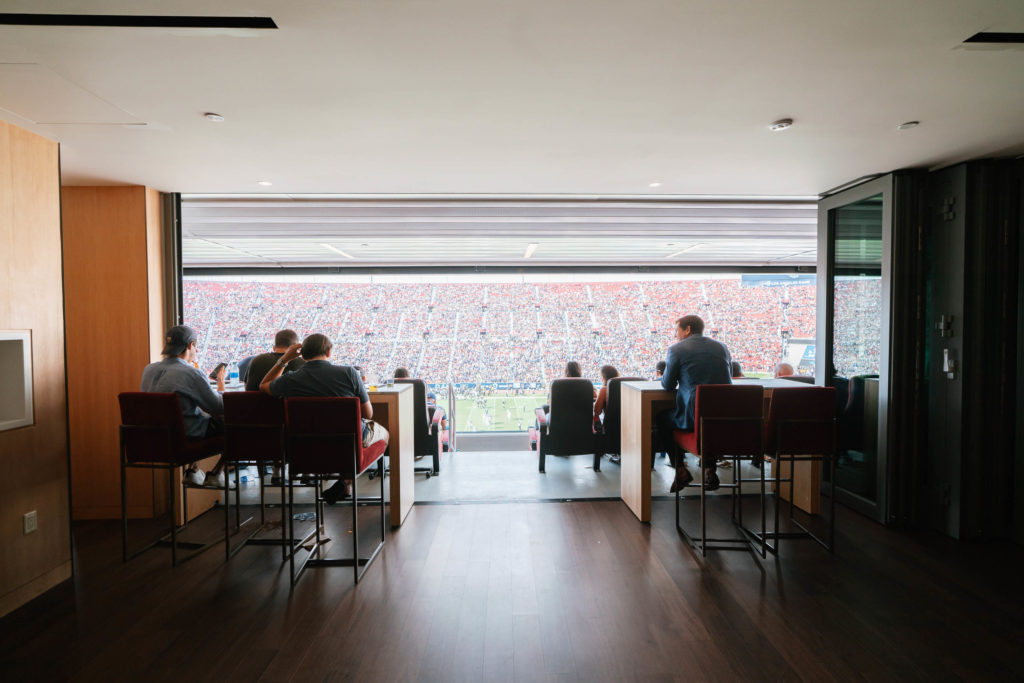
(854, 237)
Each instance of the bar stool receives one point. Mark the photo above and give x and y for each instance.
(254, 435)
(152, 436)
(728, 424)
(801, 428)
(324, 438)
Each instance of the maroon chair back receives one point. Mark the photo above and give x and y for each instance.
(152, 428)
(253, 427)
(323, 434)
(801, 422)
(729, 419)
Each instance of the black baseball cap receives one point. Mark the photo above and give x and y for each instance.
(177, 340)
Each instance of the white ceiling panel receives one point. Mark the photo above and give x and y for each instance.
(528, 97)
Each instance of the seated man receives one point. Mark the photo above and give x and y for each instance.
(432, 408)
(318, 377)
(261, 364)
(202, 408)
(783, 370)
(737, 369)
(693, 360)
(401, 373)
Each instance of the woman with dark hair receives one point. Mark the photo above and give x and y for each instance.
(608, 372)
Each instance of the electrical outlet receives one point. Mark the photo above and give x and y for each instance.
(29, 522)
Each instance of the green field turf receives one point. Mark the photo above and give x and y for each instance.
(520, 407)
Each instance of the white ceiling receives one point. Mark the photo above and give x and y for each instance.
(521, 97)
(303, 231)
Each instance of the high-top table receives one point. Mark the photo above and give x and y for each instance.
(641, 401)
(393, 408)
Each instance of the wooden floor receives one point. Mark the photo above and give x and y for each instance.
(533, 592)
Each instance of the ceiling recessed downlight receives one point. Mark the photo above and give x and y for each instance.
(530, 248)
(907, 125)
(781, 124)
(654, 185)
(210, 116)
(264, 183)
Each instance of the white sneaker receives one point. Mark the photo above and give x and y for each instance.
(194, 477)
(214, 479)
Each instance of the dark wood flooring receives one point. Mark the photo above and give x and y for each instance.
(533, 592)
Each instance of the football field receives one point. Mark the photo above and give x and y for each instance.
(497, 413)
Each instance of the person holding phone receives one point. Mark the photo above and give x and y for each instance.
(201, 407)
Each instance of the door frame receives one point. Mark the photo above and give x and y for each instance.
(824, 337)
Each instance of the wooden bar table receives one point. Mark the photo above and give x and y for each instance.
(393, 408)
(641, 401)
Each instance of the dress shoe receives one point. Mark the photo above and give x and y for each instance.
(711, 480)
(683, 477)
(340, 491)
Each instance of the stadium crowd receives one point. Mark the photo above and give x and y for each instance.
(523, 332)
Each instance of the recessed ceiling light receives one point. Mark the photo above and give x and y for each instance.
(781, 124)
(336, 250)
(654, 185)
(264, 183)
(210, 116)
(907, 125)
(530, 248)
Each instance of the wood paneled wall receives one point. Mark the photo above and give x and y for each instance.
(114, 292)
(33, 459)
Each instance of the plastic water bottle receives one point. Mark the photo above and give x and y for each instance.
(233, 377)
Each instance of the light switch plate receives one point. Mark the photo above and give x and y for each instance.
(29, 522)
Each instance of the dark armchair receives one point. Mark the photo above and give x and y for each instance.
(569, 428)
(427, 428)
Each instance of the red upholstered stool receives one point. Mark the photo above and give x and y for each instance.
(153, 437)
(253, 435)
(801, 427)
(727, 425)
(324, 438)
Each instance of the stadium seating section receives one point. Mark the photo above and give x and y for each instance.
(521, 332)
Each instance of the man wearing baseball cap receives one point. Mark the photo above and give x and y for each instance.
(201, 406)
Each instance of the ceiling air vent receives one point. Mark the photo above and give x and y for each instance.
(136, 21)
(1002, 38)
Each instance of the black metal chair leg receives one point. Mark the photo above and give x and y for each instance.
(124, 510)
(355, 520)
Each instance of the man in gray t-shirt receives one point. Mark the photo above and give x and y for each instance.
(318, 377)
(201, 406)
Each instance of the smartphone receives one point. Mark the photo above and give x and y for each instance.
(216, 370)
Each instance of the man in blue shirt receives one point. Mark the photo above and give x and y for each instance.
(693, 360)
(318, 377)
(202, 408)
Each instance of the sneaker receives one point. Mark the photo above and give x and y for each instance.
(194, 477)
(215, 479)
(615, 458)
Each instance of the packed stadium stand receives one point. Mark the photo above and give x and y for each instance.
(522, 332)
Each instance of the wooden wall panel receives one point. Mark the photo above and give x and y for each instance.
(34, 459)
(106, 277)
